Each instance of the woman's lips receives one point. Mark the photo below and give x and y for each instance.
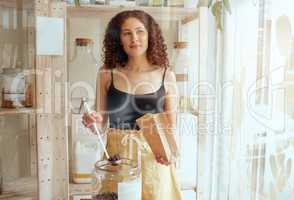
(135, 46)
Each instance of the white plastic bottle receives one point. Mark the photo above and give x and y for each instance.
(87, 151)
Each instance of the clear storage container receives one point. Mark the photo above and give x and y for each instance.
(117, 181)
(17, 89)
(86, 150)
(14, 88)
(181, 58)
(181, 63)
(175, 3)
(83, 70)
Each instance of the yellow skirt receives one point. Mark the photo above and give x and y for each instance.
(159, 182)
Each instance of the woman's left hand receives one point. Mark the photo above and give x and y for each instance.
(161, 160)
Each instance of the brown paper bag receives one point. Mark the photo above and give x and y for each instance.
(159, 135)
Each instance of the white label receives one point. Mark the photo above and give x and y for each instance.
(50, 35)
(130, 190)
(84, 1)
(14, 84)
(14, 97)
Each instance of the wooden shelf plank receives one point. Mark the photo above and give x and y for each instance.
(26, 4)
(24, 188)
(163, 13)
(5, 111)
(80, 189)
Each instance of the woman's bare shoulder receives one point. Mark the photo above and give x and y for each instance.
(104, 75)
(170, 82)
(170, 75)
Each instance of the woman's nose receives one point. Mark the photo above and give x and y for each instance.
(134, 37)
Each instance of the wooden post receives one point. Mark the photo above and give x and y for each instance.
(52, 135)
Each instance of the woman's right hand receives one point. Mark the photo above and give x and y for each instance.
(90, 118)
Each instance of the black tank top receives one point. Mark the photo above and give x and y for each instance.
(124, 108)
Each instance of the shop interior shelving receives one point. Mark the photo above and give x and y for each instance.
(27, 187)
(4, 111)
(106, 11)
(24, 188)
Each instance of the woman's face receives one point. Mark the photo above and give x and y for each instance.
(134, 37)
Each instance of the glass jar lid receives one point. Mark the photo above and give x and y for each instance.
(83, 41)
(180, 45)
(124, 166)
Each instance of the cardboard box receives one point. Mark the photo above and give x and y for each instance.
(159, 135)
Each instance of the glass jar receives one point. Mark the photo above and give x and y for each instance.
(82, 2)
(156, 2)
(117, 181)
(13, 88)
(82, 72)
(98, 2)
(190, 3)
(181, 57)
(181, 62)
(175, 3)
(142, 2)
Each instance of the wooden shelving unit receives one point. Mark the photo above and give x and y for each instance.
(24, 188)
(164, 13)
(80, 189)
(15, 4)
(48, 131)
(4, 111)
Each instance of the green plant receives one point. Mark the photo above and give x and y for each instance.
(217, 7)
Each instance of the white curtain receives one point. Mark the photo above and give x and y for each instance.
(250, 156)
(257, 102)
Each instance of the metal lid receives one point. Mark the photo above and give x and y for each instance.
(180, 45)
(83, 41)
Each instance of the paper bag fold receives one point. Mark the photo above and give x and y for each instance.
(159, 135)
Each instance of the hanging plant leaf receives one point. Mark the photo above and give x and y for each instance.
(204, 3)
(227, 5)
(216, 10)
(209, 3)
(77, 2)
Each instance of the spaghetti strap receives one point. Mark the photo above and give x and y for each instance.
(111, 76)
(163, 76)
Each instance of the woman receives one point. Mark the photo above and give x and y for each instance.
(135, 80)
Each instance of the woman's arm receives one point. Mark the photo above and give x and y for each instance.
(170, 105)
(100, 116)
(171, 98)
(102, 85)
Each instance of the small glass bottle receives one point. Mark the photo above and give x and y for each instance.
(117, 181)
(83, 70)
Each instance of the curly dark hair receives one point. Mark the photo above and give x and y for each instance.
(113, 51)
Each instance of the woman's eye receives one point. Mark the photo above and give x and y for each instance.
(127, 33)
